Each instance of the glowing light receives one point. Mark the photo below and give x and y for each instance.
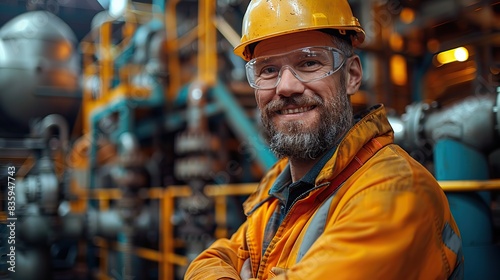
(396, 42)
(117, 8)
(197, 94)
(63, 51)
(398, 70)
(407, 15)
(459, 54)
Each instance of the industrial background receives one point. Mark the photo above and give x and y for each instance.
(133, 136)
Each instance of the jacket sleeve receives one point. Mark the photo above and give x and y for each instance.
(223, 259)
(387, 231)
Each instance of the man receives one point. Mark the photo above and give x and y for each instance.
(343, 202)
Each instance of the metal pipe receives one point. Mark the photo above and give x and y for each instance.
(243, 127)
(207, 43)
(106, 61)
(57, 121)
(167, 234)
(464, 122)
(227, 31)
(470, 186)
(172, 49)
(424, 124)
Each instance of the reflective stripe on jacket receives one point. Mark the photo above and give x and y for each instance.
(388, 220)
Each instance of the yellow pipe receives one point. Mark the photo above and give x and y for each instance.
(103, 264)
(207, 43)
(88, 71)
(106, 62)
(220, 217)
(179, 191)
(172, 49)
(145, 253)
(220, 192)
(167, 231)
(230, 189)
(470, 185)
(166, 245)
(114, 193)
(447, 186)
(248, 188)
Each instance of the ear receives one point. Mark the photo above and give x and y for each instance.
(354, 74)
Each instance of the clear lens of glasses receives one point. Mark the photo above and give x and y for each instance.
(307, 65)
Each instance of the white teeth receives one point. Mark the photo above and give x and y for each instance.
(296, 110)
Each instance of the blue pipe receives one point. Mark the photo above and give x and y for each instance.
(243, 127)
(456, 161)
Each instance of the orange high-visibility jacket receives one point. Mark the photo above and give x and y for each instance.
(389, 219)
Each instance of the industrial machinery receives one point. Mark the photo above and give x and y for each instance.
(117, 161)
(40, 100)
(40, 67)
(129, 151)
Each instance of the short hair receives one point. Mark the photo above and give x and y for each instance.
(342, 41)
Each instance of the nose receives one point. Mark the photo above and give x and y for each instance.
(288, 83)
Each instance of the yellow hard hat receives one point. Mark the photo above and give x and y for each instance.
(270, 18)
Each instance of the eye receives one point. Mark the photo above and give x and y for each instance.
(268, 71)
(309, 65)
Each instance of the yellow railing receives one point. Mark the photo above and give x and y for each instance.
(165, 255)
(470, 186)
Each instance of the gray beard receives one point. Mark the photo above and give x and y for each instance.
(302, 142)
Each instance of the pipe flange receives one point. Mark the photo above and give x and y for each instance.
(414, 119)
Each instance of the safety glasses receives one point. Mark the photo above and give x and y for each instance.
(306, 64)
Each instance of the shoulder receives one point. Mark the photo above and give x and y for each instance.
(392, 173)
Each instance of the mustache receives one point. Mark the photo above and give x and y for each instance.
(297, 100)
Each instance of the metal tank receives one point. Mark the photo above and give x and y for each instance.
(39, 71)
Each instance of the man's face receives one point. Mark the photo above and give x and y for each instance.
(303, 120)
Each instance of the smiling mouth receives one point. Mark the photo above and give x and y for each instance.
(295, 110)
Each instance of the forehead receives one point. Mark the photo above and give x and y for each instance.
(290, 42)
